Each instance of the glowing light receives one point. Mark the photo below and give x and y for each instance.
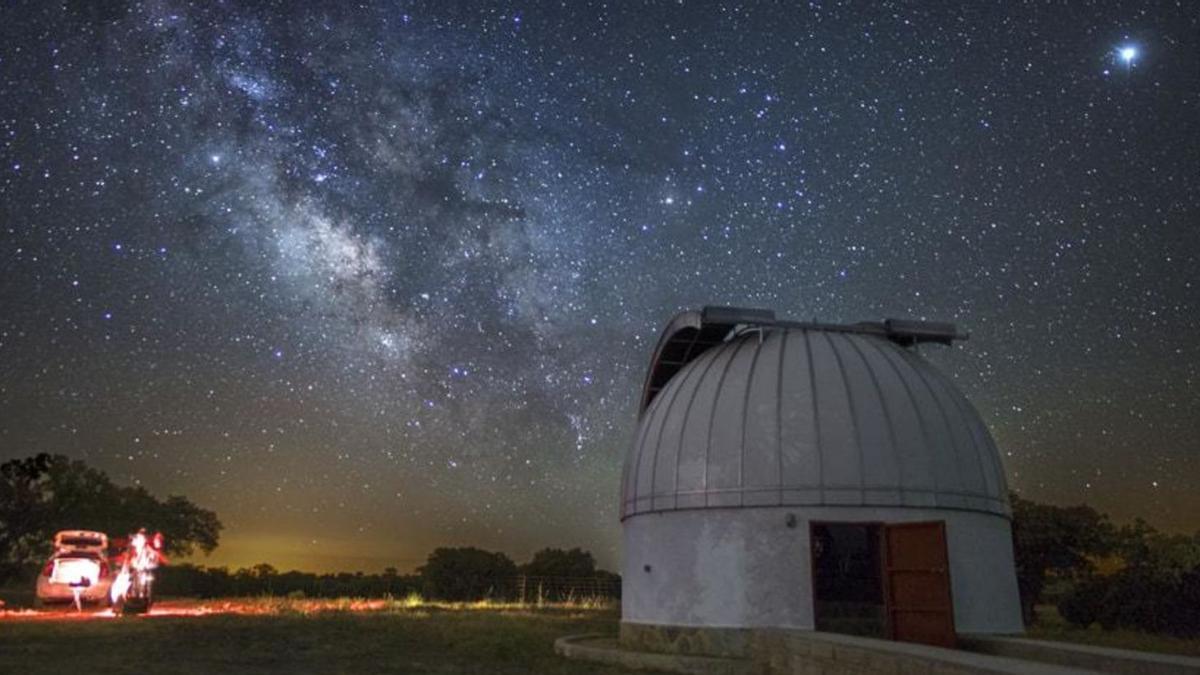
(1128, 54)
(412, 604)
(136, 577)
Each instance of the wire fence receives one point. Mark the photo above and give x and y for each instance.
(199, 582)
(533, 589)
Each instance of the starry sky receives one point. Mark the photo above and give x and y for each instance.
(368, 280)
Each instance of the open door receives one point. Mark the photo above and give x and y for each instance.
(919, 605)
(847, 578)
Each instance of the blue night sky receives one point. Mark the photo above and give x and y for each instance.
(371, 280)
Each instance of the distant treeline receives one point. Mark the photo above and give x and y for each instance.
(452, 574)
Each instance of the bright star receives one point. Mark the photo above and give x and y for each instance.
(1128, 54)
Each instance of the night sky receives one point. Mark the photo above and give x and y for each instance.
(367, 281)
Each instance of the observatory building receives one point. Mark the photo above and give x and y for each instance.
(814, 477)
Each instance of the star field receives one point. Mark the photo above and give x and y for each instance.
(370, 280)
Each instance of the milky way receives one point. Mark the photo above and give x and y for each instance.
(370, 281)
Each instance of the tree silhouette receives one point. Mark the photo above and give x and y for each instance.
(43, 494)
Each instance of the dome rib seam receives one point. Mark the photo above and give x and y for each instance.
(887, 414)
(783, 341)
(712, 414)
(920, 420)
(658, 442)
(629, 496)
(941, 412)
(687, 413)
(989, 450)
(636, 470)
(853, 409)
(945, 386)
(816, 418)
(745, 421)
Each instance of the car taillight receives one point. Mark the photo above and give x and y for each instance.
(49, 569)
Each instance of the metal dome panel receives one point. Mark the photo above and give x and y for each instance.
(805, 414)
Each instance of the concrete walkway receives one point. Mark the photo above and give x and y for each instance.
(1102, 659)
(811, 653)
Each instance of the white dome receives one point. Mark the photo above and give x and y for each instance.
(749, 413)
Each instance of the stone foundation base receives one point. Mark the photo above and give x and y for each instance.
(606, 650)
(778, 651)
(690, 640)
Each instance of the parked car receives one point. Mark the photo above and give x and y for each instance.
(79, 562)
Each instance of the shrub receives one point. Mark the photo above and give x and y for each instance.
(1083, 604)
(1186, 617)
(1138, 598)
(1141, 599)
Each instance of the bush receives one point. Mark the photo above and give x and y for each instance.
(1186, 619)
(1140, 599)
(1083, 604)
(1137, 598)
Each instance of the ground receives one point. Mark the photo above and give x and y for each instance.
(1051, 626)
(280, 636)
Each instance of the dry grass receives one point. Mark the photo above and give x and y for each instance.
(294, 635)
(409, 604)
(351, 635)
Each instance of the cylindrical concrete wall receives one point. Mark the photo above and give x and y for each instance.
(746, 568)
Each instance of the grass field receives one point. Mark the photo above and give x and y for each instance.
(404, 635)
(283, 636)
(1051, 626)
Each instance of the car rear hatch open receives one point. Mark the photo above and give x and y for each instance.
(81, 540)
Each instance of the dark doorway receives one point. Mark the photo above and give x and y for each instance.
(885, 581)
(847, 566)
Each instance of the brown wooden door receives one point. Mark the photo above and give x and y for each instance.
(919, 605)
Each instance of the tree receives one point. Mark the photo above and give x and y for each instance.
(555, 562)
(558, 575)
(1055, 541)
(43, 494)
(22, 516)
(467, 574)
(1140, 545)
(1156, 589)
